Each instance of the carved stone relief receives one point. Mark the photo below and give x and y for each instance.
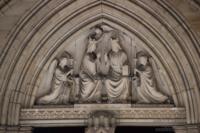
(117, 114)
(145, 81)
(101, 122)
(62, 84)
(108, 73)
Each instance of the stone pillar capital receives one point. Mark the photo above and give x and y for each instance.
(2, 129)
(25, 130)
(193, 128)
(12, 129)
(180, 129)
(188, 128)
(15, 129)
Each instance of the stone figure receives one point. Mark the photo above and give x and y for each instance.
(117, 86)
(147, 91)
(62, 83)
(104, 74)
(103, 47)
(90, 87)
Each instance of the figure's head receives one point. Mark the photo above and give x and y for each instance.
(115, 43)
(97, 32)
(142, 58)
(66, 61)
(63, 62)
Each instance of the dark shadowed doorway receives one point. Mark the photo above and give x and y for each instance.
(59, 130)
(141, 129)
(123, 129)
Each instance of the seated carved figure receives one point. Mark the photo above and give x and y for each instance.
(117, 86)
(104, 72)
(62, 84)
(147, 91)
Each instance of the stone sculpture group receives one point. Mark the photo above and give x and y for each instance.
(106, 74)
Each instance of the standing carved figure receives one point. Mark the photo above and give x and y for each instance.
(62, 83)
(90, 87)
(116, 85)
(147, 91)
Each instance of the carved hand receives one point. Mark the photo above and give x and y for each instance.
(137, 71)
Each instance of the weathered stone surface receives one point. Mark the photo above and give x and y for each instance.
(166, 29)
(125, 115)
(193, 128)
(2, 129)
(180, 129)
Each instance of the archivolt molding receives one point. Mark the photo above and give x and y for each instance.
(150, 21)
(3, 3)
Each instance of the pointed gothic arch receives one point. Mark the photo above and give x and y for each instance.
(162, 30)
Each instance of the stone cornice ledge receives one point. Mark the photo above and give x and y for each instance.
(126, 115)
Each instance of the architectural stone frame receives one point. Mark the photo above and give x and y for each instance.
(125, 115)
(39, 36)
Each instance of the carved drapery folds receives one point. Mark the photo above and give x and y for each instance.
(59, 77)
(109, 73)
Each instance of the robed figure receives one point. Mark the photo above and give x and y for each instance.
(117, 85)
(147, 90)
(59, 76)
(90, 86)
